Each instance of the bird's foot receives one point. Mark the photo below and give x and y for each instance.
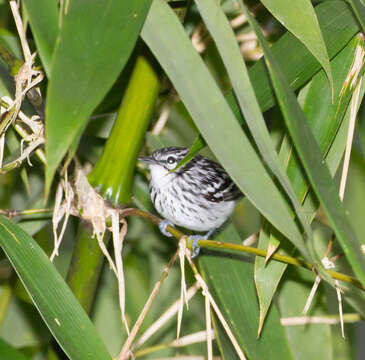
(193, 241)
(162, 226)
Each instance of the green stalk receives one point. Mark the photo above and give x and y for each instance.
(86, 264)
(212, 244)
(5, 299)
(112, 175)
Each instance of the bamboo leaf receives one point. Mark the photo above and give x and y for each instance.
(338, 27)
(58, 307)
(168, 41)
(359, 10)
(291, 300)
(305, 27)
(230, 280)
(225, 40)
(113, 175)
(43, 19)
(85, 66)
(324, 118)
(311, 158)
(7, 352)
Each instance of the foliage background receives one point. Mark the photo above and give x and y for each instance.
(112, 65)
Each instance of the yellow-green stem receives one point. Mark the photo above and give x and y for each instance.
(241, 248)
(112, 175)
(5, 298)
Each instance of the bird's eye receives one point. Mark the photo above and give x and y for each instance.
(170, 160)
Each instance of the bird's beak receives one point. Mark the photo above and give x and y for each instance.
(147, 159)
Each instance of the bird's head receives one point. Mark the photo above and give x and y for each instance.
(162, 161)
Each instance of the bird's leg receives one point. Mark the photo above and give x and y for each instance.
(193, 241)
(209, 234)
(162, 226)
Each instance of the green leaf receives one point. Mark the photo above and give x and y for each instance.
(292, 297)
(230, 280)
(58, 307)
(43, 19)
(359, 10)
(338, 27)
(168, 41)
(91, 50)
(324, 118)
(225, 40)
(113, 174)
(7, 352)
(305, 27)
(311, 158)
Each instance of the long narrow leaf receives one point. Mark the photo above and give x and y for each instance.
(311, 157)
(338, 26)
(230, 279)
(324, 118)
(93, 46)
(43, 18)
(167, 39)
(64, 316)
(223, 36)
(305, 27)
(359, 10)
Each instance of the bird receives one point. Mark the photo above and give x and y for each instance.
(199, 195)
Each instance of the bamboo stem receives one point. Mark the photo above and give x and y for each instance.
(241, 248)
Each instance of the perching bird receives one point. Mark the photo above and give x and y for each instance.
(198, 196)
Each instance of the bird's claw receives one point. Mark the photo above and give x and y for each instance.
(193, 242)
(162, 226)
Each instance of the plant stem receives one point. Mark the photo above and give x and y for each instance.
(241, 248)
(13, 213)
(125, 352)
(5, 298)
(86, 264)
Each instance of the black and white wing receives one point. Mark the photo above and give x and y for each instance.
(217, 186)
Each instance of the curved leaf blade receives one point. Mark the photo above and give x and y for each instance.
(230, 280)
(225, 40)
(324, 118)
(359, 10)
(291, 300)
(43, 18)
(338, 27)
(311, 158)
(54, 300)
(205, 102)
(305, 27)
(85, 66)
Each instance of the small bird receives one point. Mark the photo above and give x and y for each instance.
(198, 196)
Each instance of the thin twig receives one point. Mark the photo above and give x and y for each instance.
(166, 316)
(181, 342)
(216, 309)
(5, 298)
(241, 248)
(28, 212)
(330, 320)
(125, 352)
(208, 324)
(350, 135)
